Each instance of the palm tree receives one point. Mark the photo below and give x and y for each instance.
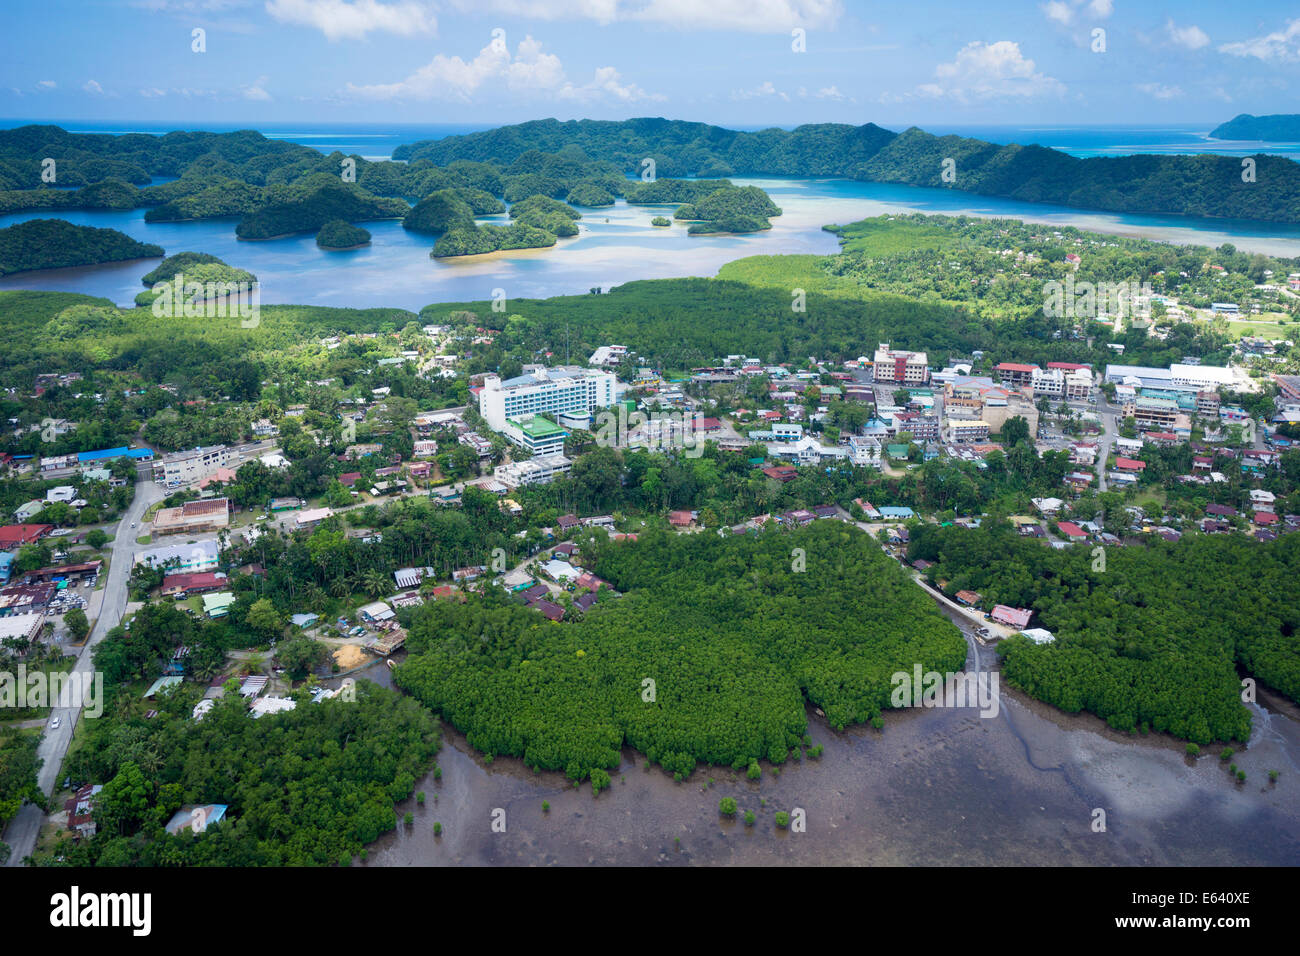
(374, 582)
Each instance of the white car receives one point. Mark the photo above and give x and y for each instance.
(54, 724)
(132, 524)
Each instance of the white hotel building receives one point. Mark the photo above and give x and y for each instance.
(546, 391)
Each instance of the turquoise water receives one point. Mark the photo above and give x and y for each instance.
(377, 141)
(614, 245)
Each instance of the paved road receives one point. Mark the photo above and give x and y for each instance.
(25, 827)
(1109, 418)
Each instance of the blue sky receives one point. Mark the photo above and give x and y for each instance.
(723, 61)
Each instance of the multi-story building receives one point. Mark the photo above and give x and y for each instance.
(864, 451)
(1078, 385)
(1207, 404)
(1046, 383)
(1154, 413)
(963, 432)
(536, 434)
(535, 471)
(545, 391)
(899, 367)
(1016, 374)
(924, 428)
(187, 467)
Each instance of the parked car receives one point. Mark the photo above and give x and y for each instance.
(54, 724)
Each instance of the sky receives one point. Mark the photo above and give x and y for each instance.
(732, 62)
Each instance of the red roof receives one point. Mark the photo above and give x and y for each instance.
(1129, 464)
(1015, 367)
(12, 535)
(193, 581)
(349, 479)
(1067, 366)
(1011, 616)
(1265, 517)
(1071, 530)
(679, 519)
(708, 424)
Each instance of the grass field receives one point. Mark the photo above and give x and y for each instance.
(885, 235)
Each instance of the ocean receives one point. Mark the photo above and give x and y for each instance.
(378, 140)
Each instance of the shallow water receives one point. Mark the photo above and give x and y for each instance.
(614, 245)
(935, 787)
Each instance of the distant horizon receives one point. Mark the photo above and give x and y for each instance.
(12, 122)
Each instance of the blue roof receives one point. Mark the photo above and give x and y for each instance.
(122, 452)
(891, 511)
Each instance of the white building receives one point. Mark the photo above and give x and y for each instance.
(608, 355)
(899, 367)
(545, 391)
(199, 556)
(535, 471)
(187, 467)
(1049, 382)
(864, 451)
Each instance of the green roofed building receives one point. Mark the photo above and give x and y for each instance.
(896, 451)
(539, 435)
(217, 605)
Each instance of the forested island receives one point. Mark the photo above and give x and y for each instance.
(203, 275)
(278, 189)
(56, 244)
(1275, 128)
(338, 235)
(734, 636)
(1204, 185)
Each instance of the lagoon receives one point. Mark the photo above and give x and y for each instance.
(614, 245)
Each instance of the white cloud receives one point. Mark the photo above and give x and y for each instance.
(1193, 37)
(1065, 12)
(47, 84)
(341, 19)
(762, 91)
(257, 91)
(529, 73)
(92, 86)
(1160, 91)
(983, 71)
(152, 92)
(1278, 45)
(605, 84)
(751, 16)
(830, 93)
(1060, 11)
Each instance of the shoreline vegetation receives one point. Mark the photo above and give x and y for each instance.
(39, 244)
(1205, 185)
(1275, 128)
